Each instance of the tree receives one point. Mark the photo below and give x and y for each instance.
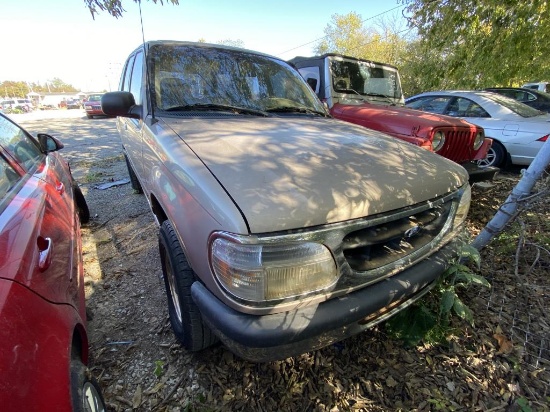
(348, 35)
(482, 43)
(114, 7)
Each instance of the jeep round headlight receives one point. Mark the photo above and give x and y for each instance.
(480, 137)
(256, 272)
(463, 207)
(438, 140)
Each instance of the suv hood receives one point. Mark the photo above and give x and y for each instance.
(288, 173)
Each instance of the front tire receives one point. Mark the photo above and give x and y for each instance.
(185, 316)
(497, 156)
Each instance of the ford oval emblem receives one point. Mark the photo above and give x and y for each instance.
(412, 232)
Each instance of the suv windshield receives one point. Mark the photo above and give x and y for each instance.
(365, 78)
(208, 78)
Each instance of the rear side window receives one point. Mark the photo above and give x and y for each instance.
(22, 147)
(312, 77)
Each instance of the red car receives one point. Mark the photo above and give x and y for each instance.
(43, 339)
(93, 106)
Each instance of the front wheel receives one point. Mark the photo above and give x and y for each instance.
(85, 392)
(497, 156)
(185, 316)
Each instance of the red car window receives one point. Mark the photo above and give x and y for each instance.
(8, 178)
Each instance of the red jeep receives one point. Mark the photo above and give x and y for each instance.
(369, 94)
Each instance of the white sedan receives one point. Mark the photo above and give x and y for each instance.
(518, 131)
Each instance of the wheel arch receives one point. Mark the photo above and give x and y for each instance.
(80, 345)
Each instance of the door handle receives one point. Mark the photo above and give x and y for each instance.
(60, 187)
(45, 251)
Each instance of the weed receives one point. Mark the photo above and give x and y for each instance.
(159, 368)
(429, 320)
(93, 177)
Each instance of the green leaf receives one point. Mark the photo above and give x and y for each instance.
(463, 311)
(159, 365)
(469, 277)
(447, 301)
(411, 325)
(470, 252)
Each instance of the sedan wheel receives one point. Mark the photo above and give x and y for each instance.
(496, 156)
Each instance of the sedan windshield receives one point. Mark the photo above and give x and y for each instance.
(210, 78)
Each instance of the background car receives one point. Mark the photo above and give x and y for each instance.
(43, 338)
(73, 104)
(534, 98)
(93, 106)
(541, 86)
(518, 131)
(10, 105)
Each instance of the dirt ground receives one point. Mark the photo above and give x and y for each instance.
(501, 364)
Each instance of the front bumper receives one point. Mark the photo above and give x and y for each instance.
(477, 173)
(281, 335)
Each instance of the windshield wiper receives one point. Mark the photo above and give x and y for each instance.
(386, 97)
(216, 107)
(294, 109)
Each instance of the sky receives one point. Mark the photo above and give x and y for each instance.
(43, 40)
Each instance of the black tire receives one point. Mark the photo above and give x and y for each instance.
(185, 316)
(89, 116)
(85, 392)
(81, 204)
(133, 178)
(497, 156)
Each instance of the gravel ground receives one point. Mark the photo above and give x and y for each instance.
(501, 364)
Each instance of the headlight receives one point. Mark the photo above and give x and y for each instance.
(438, 140)
(480, 137)
(463, 207)
(258, 273)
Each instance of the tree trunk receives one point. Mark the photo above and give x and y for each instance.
(510, 207)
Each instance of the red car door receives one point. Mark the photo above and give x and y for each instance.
(41, 290)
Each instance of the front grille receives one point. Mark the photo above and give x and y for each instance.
(380, 245)
(458, 144)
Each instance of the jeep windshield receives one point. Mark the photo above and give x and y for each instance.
(188, 78)
(366, 78)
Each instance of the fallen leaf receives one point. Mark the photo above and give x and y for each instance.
(505, 346)
(136, 399)
(390, 382)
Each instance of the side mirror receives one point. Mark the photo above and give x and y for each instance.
(49, 143)
(120, 104)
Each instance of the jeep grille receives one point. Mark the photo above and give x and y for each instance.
(458, 144)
